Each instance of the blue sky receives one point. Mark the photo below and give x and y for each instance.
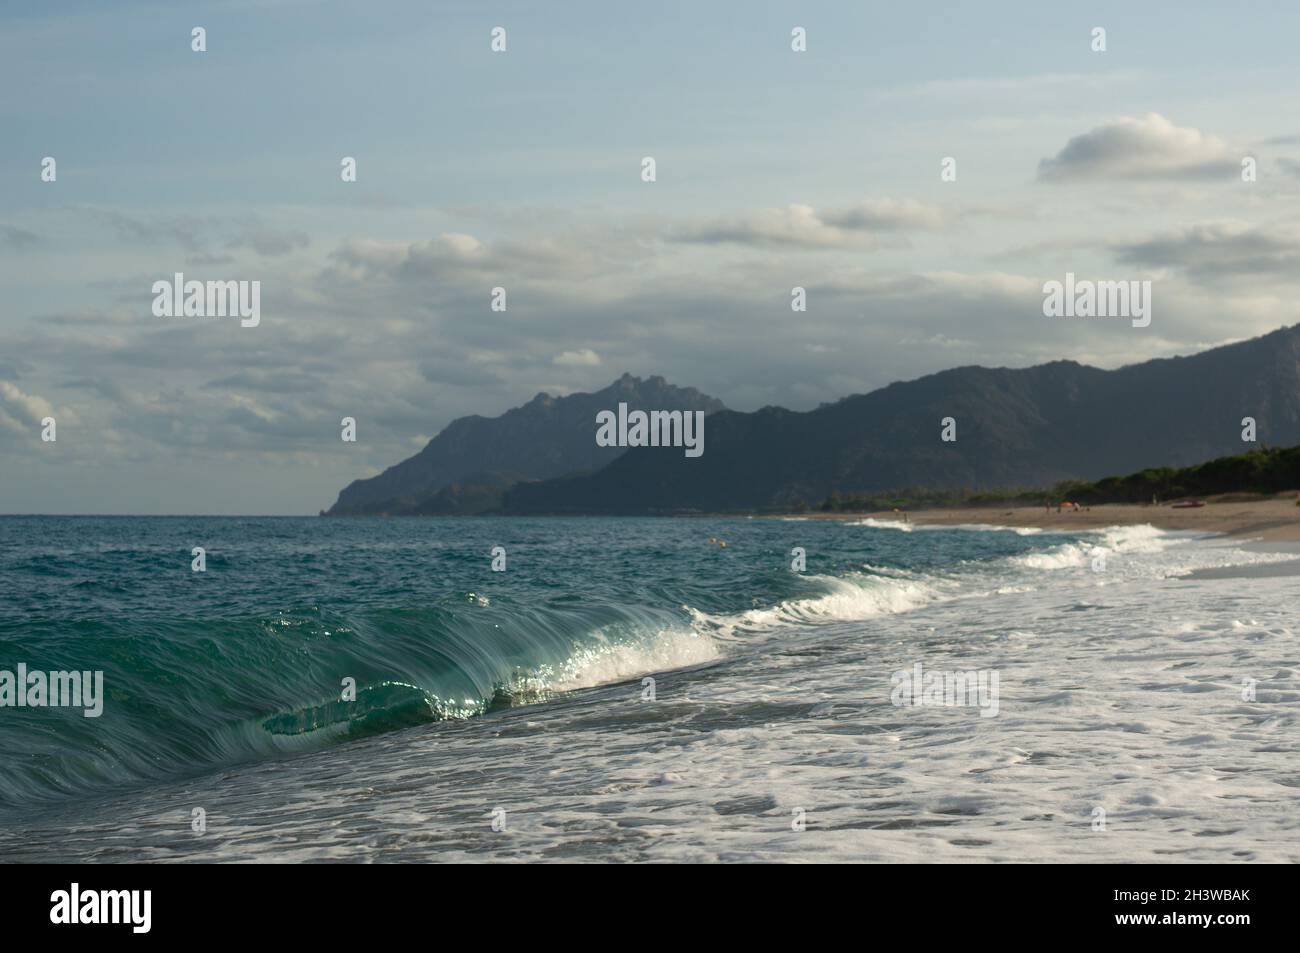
(521, 169)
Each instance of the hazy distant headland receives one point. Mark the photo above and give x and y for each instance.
(964, 430)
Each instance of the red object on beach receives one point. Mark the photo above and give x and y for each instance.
(1187, 504)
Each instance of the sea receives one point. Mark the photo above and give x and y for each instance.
(662, 689)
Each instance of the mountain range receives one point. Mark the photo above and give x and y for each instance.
(465, 468)
(1020, 427)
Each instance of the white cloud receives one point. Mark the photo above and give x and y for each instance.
(802, 226)
(1151, 147)
(583, 358)
(25, 408)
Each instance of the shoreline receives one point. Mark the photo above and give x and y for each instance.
(1270, 519)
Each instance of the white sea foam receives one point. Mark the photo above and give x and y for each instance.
(909, 527)
(614, 661)
(987, 528)
(1142, 551)
(874, 523)
(1129, 552)
(851, 598)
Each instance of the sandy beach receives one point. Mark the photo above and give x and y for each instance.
(1269, 518)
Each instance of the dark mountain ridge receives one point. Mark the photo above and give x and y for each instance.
(1033, 426)
(464, 468)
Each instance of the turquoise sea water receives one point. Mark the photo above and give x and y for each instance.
(246, 660)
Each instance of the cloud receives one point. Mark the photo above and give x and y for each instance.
(188, 231)
(457, 256)
(270, 242)
(583, 358)
(277, 381)
(1045, 85)
(802, 226)
(89, 318)
(886, 215)
(1221, 250)
(1141, 149)
(16, 237)
(21, 413)
(197, 234)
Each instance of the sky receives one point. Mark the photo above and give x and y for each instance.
(522, 169)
